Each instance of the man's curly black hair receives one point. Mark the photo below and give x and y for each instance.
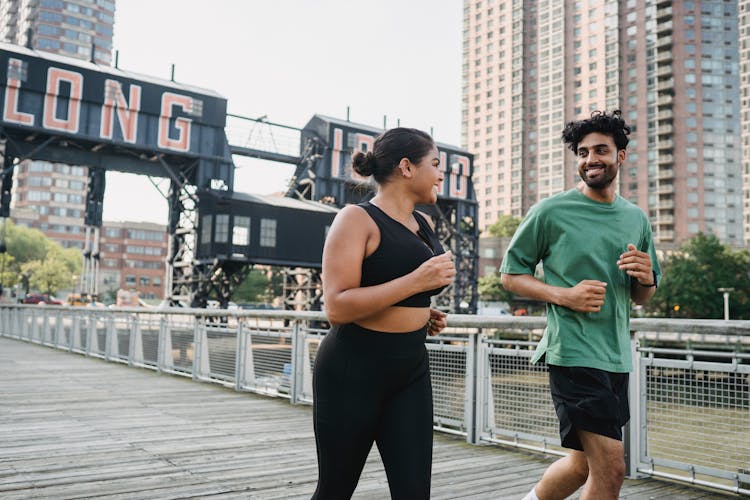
(610, 124)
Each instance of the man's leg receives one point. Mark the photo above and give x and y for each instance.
(563, 478)
(606, 463)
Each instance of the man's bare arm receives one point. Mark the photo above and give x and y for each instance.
(586, 296)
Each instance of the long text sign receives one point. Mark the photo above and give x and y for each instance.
(104, 104)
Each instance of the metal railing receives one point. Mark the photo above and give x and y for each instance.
(689, 391)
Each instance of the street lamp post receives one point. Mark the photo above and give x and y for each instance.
(725, 291)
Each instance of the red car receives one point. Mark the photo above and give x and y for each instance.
(41, 298)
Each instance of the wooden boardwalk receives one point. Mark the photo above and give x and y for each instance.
(77, 427)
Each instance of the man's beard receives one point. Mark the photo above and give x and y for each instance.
(602, 181)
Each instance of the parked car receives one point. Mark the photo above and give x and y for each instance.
(41, 299)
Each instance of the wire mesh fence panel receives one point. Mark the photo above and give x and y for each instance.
(181, 348)
(698, 420)
(47, 333)
(222, 351)
(311, 339)
(51, 320)
(81, 333)
(32, 327)
(270, 344)
(518, 402)
(448, 373)
(148, 327)
(98, 336)
(122, 329)
(64, 331)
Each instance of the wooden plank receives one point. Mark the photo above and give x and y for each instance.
(71, 426)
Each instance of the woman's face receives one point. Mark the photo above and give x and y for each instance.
(428, 176)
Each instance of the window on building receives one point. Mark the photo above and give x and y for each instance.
(268, 232)
(222, 228)
(206, 228)
(241, 231)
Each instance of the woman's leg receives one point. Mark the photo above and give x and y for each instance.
(404, 436)
(345, 411)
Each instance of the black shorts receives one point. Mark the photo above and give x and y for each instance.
(590, 400)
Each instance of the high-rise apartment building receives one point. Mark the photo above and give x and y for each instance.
(72, 28)
(51, 196)
(530, 66)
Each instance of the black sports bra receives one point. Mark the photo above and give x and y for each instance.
(399, 253)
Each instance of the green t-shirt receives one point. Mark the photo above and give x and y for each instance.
(577, 238)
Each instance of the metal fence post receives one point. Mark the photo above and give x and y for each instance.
(59, 330)
(33, 330)
(241, 361)
(241, 357)
(481, 383)
(160, 351)
(46, 333)
(110, 340)
(92, 339)
(632, 440)
(295, 382)
(75, 333)
(201, 368)
(470, 393)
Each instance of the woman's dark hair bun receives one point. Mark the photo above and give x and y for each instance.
(364, 163)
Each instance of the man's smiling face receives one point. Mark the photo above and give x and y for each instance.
(598, 160)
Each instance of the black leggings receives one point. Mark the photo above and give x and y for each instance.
(371, 386)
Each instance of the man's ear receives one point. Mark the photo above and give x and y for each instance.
(621, 155)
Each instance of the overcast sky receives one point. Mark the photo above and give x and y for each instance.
(290, 59)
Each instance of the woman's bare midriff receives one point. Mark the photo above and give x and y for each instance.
(397, 319)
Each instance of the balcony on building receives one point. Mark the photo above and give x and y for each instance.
(665, 189)
(667, 144)
(665, 114)
(664, 70)
(665, 173)
(664, 41)
(664, 27)
(664, 13)
(665, 220)
(664, 128)
(665, 159)
(665, 100)
(665, 235)
(665, 204)
(665, 84)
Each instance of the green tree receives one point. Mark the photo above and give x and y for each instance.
(491, 289)
(37, 261)
(26, 244)
(8, 270)
(254, 288)
(505, 225)
(275, 285)
(49, 275)
(693, 275)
